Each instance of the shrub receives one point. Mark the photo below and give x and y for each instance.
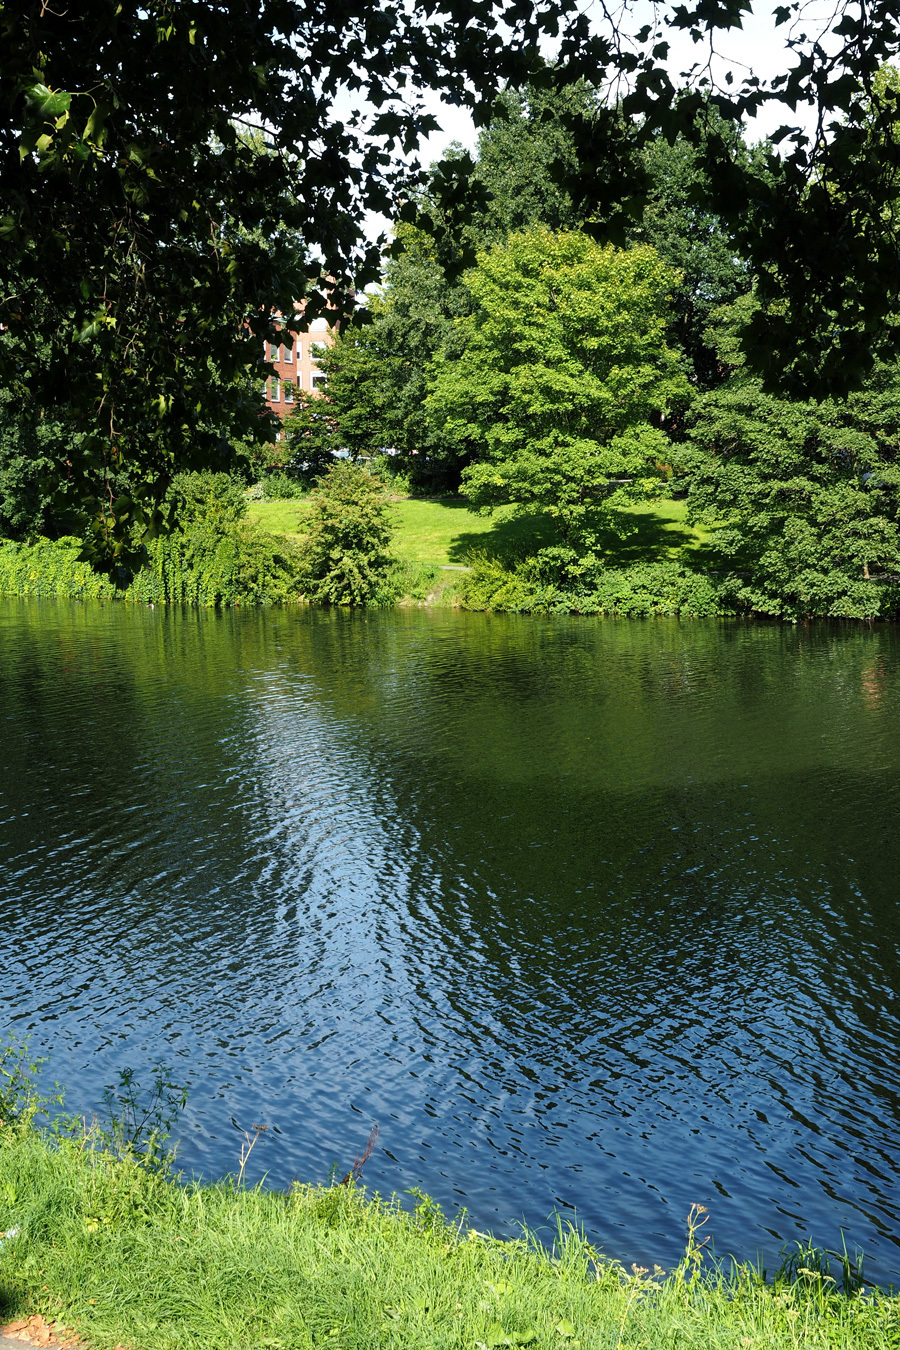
(281, 486)
(393, 473)
(213, 499)
(345, 557)
(51, 567)
(660, 588)
(205, 566)
(505, 585)
(546, 584)
(212, 556)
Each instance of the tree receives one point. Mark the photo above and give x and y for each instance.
(805, 494)
(525, 154)
(312, 437)
(147, 239)
(345, 557)
(31, 449)
(526, 172)
(694, 240)
(377, 370)
(564, 378)
(814, 218)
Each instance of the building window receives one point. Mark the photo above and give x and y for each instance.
(289, 391)
(288, 352)
(317, 350)
(274, 349)
(318, 380)
(274, 390)
(299, 350)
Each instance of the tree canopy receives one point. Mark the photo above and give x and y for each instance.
(175, 170)
(804, 494)
(564, 376)
(378, 372)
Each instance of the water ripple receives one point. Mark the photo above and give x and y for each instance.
(586, 915)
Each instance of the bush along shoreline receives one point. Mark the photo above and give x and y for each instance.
(215, 556)
(190, 567)
(212, 556)
(255, 568)
(102, 1237)
(539, 585)
(248, 566)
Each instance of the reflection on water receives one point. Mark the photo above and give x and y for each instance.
(591, 916)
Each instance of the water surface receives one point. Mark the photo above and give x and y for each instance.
(588, 916)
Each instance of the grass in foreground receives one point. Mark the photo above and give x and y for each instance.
(130, 1257)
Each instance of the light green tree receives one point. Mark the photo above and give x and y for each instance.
(564, 381)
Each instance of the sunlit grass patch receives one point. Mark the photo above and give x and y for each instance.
(280, 517)
(442, 531)
(128, 1256)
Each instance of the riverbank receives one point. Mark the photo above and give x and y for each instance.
(654, 562)
(442, 531)
(444, 555)
(646, 562)
(124, 1255)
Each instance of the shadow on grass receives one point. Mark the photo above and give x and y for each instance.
(632, 537)
(508, 539)
(644, 536)
(10, 1304)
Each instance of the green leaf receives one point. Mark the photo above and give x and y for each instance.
(94, 130)
(46, 102)
(497, 1335)
(565, 1328)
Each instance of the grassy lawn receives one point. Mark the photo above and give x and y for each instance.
(280, 517)
(442, 531)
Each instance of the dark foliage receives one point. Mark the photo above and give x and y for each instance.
(805, 494)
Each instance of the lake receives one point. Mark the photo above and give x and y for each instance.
(590, 917)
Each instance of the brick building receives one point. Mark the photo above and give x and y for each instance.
(296, 360)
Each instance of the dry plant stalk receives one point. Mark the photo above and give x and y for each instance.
(247, 1148)
(356, 1170)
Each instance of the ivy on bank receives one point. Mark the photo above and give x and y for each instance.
(249, 568)
(51, 567)
(212, 556)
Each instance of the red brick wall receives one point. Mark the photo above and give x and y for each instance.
(300, 370)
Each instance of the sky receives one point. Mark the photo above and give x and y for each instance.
(758, 46)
